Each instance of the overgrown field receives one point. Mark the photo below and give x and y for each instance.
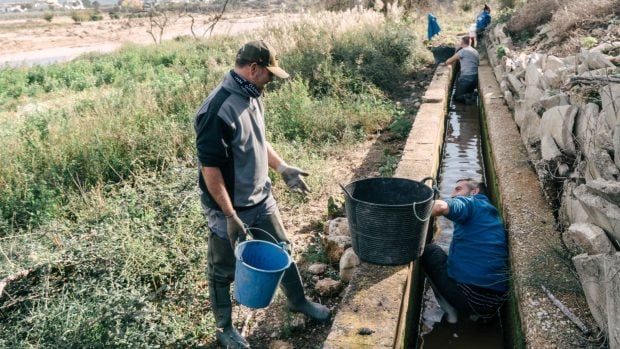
(98, 198)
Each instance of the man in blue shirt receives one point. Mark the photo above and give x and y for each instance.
(472, 279)
(483, 20)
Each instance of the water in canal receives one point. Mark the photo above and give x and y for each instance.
(462, 158)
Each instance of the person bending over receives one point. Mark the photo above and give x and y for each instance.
(468, 76)
(472, 279)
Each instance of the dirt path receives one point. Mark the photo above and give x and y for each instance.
(35, 41)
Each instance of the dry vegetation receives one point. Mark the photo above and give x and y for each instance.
(564, 17)
(574, 15)
(533, 14)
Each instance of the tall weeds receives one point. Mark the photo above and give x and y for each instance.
(98, 191)
(145, 123)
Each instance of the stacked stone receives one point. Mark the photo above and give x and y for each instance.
(574, 145)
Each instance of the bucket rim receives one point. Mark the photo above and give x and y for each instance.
(238, 249)
(388, 205)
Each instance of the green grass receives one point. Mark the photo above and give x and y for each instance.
(98, 190)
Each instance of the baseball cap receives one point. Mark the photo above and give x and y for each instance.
(263, 54)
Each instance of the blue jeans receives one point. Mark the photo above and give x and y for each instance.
(465, 86)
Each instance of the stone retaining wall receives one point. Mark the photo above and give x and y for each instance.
(567, 116)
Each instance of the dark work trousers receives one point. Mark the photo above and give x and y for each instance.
(435, 264)
(221, 258)
(465, 86)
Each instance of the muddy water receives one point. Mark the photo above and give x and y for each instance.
(462, 158)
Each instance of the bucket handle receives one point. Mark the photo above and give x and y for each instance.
(282, 244)
(435, 193)
(345, 190)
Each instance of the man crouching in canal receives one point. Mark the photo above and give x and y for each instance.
(472, 279)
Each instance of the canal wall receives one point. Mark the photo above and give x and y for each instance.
(376, 305)
(567, 114)
(536, 253)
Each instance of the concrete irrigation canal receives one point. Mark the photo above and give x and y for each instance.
(391, 307)
(462, 158)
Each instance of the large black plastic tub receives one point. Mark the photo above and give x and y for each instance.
(388, 218)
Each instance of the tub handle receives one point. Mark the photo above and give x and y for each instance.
(345, 190)
(435, 193)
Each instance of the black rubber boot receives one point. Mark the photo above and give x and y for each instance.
(297, 302)
(227, 335)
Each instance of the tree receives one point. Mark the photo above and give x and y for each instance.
(207, 25)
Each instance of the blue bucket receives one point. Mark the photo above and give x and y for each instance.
(259, 270)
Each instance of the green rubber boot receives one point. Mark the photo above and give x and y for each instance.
(227, 335)
(297, 302)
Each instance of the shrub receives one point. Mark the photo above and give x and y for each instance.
(575, 15)
(79, 16)
(114, 15)
(48, 16)
(531, 15)
(96, 16)
(588, 42)
(504, 15)
(466, 5)
(500, 51)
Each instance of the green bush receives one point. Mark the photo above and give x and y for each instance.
(504, 15)
(96, 16)
(500, 51)
(588, 41)
(466, 6)
(48, 16)
(79, 16)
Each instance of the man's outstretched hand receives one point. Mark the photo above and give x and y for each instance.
(293, 178)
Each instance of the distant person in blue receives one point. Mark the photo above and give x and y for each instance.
(483, 20)
(433, 26)
(467, 82)
(472, 279)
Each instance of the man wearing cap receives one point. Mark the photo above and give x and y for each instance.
(233, 160)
